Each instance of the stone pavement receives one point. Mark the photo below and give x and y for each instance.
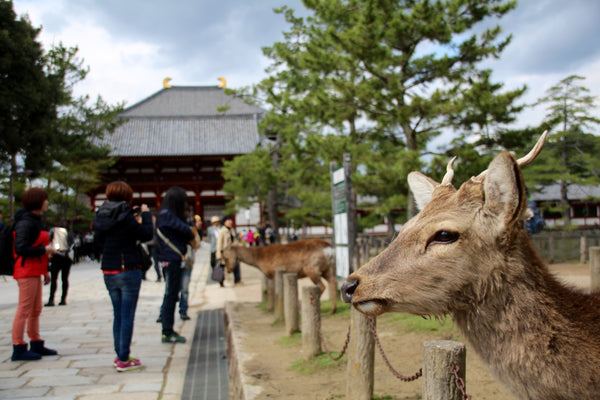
(81, 332)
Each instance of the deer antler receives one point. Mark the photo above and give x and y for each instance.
(523, 161)
(447, 180)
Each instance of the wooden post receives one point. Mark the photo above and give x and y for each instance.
(270, 295)
(595, 268)
(583, 249)
(550, 249)
(311, 306)
(279, 293)
(439, 383)
(290, 303)
(360, 371)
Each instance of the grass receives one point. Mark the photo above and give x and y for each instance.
(287, 341)
(317, 364)
(407, 323)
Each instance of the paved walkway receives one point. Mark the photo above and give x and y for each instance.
(82, 333)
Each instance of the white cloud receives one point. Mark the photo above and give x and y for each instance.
(132, 45)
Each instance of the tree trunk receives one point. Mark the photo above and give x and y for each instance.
(11, 195)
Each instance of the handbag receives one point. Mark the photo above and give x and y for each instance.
(218, 273)
(144, 256)
(190, 257)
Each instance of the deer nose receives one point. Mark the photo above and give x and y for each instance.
(348, 289)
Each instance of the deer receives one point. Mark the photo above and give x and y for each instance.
(466, 254)
(312, 258)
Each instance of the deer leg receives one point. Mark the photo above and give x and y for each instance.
(317, 281)
(333, 294)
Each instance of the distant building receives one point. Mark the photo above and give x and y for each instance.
(584, 202)
(180, 136)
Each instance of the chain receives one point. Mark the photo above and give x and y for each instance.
(403, 378)
(318, 324)
(460, 383)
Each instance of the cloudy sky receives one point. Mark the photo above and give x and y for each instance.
(132, 45)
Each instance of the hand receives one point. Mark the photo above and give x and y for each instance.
(46, 279)
(50, 250)
(144, 208)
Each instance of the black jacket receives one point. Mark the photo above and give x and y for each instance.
(117, 232)
(27, 229)
(177, 231)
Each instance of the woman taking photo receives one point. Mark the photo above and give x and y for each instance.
(173, 234)
(117, 232)
(32, 251)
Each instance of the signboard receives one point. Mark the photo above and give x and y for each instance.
(340, 223)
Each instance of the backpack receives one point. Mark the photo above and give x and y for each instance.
(7, 260)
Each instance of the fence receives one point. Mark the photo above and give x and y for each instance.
(444, 362)
(553, 246)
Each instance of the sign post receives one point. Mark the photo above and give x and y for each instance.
(342, 210)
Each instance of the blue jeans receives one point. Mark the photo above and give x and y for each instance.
(186, 274)
(172, 273)
(124, 290)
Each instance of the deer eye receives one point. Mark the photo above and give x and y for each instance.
(443, 237)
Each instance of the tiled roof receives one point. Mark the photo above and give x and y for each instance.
(190, 101)
(189, 136)
(182, 121)
(574, 192)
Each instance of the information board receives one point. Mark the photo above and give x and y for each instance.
(340, 223)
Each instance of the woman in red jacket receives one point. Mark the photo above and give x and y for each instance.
(32, 250)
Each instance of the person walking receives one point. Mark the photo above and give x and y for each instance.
(117, 232)
(213, 233)
(62, 241)
(174, 234)
(227, 237)
(32, 250)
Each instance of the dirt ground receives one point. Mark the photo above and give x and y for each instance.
(272, 355)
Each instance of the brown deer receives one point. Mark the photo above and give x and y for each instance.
(467, 254)
(312, 258)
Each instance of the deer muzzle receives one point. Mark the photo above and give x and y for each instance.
(348, 289)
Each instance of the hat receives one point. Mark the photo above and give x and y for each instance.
(197, 217)
(214, 219)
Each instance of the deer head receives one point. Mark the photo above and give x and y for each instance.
(446, 258)
(230, 258)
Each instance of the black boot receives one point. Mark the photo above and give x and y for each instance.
(38, 347)
(20, 353)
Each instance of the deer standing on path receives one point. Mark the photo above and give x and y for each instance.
(467, 254)
(312, 258)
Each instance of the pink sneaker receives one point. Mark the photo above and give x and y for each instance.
(131, 364)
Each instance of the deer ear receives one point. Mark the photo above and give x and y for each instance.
(422, 187)
(504, 189)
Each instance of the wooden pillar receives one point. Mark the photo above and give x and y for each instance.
(360, 371)
(583, 249)
(279, 293)
(270, 295)
(595, 268)
(290, 303)
(439, 383)
(311, 306)
(550, 249)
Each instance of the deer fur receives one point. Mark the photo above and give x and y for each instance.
(468, 255)
(312, 258)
